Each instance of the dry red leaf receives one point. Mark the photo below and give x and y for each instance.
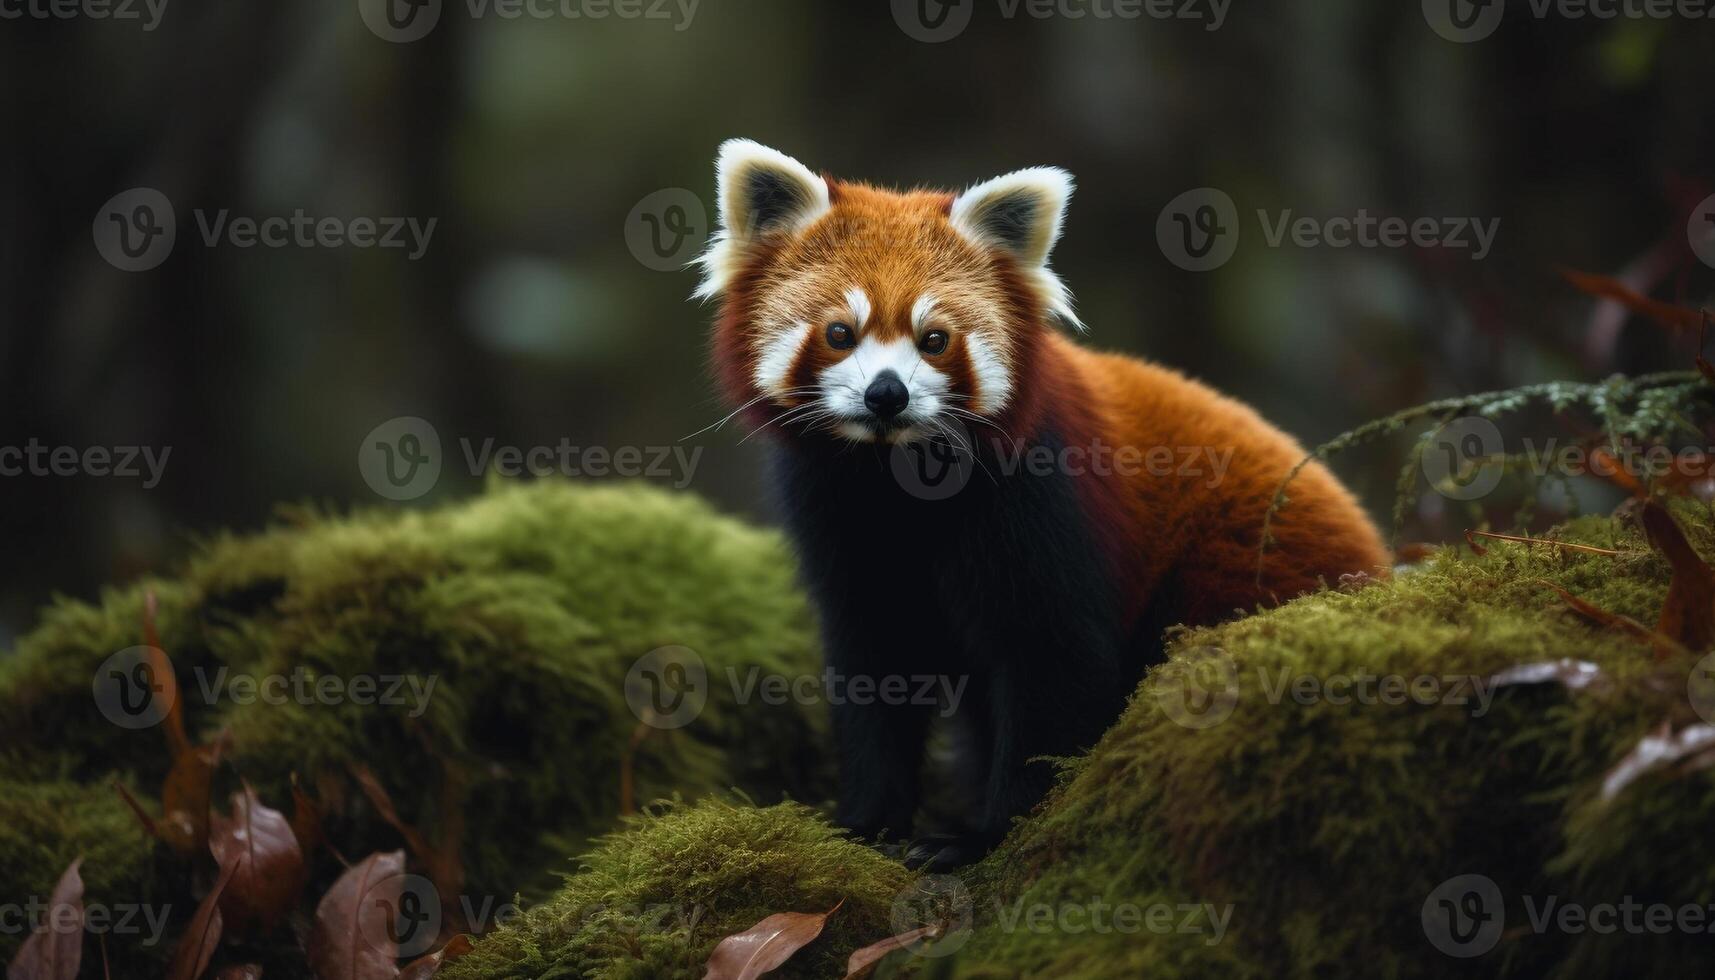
(185, 795)
(353, 937)
(442, 861)
(1606, 287)
(765, 946)
(306, 819)
(196, 947)
(1688, 615)
(268, 865)
(864, 960)
(54, 951)
(427, 966)
(1664, 645)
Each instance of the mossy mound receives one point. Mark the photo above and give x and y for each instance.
(1327, 826)
(654, 900)
(1254, 814)
(526, 606)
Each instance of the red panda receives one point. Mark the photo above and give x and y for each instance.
(858, 323)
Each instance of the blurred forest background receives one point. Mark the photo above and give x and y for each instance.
(531, 141)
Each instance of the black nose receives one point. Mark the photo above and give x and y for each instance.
(886, 396)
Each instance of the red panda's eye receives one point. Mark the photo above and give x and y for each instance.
(933, 342)
(840, 336)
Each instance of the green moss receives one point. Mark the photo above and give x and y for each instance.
(1306, 828)
(1300, 836)
(1327, 825)
(654, 900)
(526, 607)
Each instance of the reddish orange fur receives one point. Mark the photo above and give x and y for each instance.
(1172, 540)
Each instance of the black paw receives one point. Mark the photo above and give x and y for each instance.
(944, 852)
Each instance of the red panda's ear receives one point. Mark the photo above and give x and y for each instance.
(762, 191)
(1021, 214)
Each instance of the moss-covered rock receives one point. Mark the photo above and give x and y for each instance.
(1269, 806)
(655, 899)
(526, 607)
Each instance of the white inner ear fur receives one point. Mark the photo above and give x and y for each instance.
(761, 191)
(1021, 213)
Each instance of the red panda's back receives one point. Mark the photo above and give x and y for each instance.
(1199, 483)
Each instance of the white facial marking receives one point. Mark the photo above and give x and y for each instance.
(844, 384)
(994, 381)
(857, 301)
(921, 311)
(778, 353)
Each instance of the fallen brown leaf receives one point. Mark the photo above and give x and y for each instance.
(765, 946)
(441, 860)
(54, 951)
(353, 937)
(306, 820)
(427, 966)
(1676, 318)
(196, 947)
(1688, 615)
(268, 866)
(1663, 644)
(864, 960)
